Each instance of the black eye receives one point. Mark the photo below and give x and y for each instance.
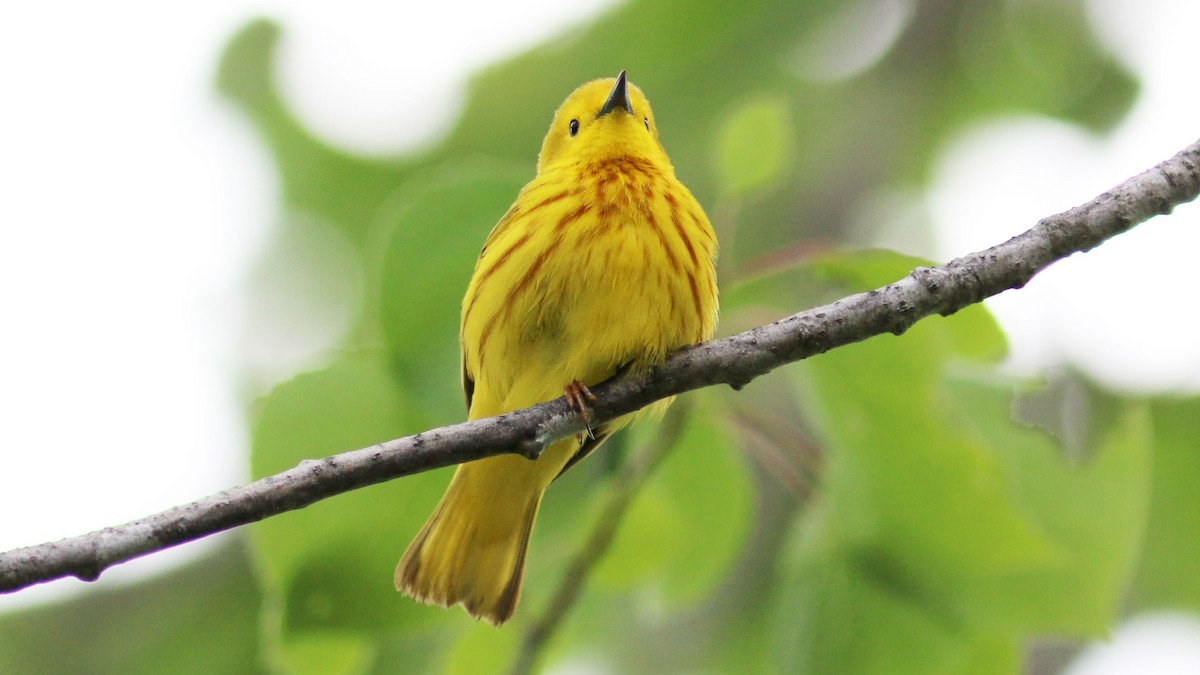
(574, 127)
(647, 121)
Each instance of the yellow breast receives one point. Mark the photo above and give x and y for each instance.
(596, 267)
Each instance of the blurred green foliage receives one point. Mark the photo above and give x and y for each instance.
(198, 620)
(873, 510)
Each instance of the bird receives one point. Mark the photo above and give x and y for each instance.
(604, 263)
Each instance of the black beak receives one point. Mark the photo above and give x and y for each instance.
(618, 98)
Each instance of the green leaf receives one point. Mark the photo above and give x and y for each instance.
(483, 648)
(327, 569)
(754, 144)
(435, 232)
(1167, 576)
(326, 653)
(945, 530)
(1093, 512)
(839, 617)
(689, 522)
(1042, 58)
(913, 479)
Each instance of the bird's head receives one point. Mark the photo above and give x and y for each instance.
(603, 119)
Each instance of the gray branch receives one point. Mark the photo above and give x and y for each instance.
(735, 361)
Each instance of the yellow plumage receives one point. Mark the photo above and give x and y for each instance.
(605, 261)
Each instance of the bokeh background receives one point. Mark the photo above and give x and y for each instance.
(229, 243)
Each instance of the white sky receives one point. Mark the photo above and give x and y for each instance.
(133, 203)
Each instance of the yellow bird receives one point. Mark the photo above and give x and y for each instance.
(604, 262)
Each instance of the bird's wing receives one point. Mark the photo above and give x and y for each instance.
(468, 382)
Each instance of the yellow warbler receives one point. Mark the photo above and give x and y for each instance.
(604, 262)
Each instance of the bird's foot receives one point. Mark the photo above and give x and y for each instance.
(579, 397)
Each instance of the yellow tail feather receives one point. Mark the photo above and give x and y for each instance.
(472, 549)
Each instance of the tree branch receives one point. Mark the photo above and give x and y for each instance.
(735, 360)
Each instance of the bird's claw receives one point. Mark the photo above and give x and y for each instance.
(579, 397)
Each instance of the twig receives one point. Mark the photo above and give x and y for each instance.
(624, 487)
(735, 360)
